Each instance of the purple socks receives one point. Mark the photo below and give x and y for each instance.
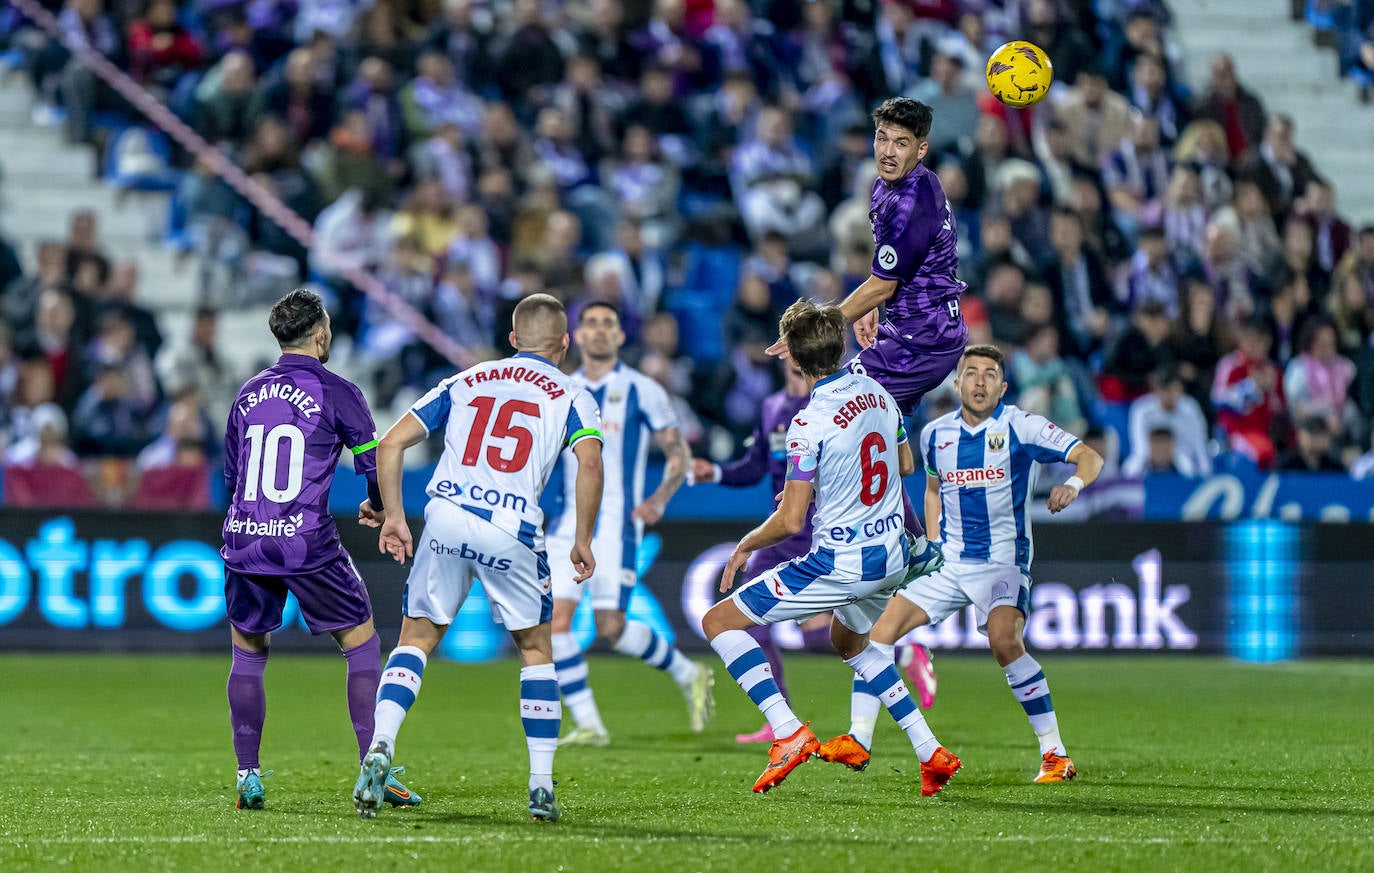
(911, 519)
(247, 704)
(364, 674)
(763, 635)
(817, 640)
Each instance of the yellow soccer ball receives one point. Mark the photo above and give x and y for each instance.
(1019, 73)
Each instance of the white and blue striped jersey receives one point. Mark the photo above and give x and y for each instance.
(845, 443)
(633, 407)
(505, 423)
(987, 472)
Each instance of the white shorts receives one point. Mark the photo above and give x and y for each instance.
(610, 585)
(798, 589)
(957, 585)
(457, 548)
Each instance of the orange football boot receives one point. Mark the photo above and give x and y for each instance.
(936, 773)
(845, 750)
(786, 755)
(1056, 768)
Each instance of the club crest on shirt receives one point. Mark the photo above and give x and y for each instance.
(614, 398)
(997, 442)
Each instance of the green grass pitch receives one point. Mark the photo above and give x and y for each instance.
(1185, 764)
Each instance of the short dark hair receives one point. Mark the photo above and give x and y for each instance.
(985, 350)
(914, 115)
(295, 316)
(815, 336)
(599, 304)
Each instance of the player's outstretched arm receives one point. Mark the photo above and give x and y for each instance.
(395, 539)
(749, 469)
(786, 521)
(934, 508)
(590, 477)
(906, 461)
(1087, 467)
(677, 453)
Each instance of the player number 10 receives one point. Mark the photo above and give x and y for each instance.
(263, 456)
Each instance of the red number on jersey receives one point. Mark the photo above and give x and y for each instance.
(524, 440)
(873, 470)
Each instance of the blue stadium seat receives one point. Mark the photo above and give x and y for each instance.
(714, 270)
(146, 166)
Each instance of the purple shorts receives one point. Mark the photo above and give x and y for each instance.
(332, 598)
(766, 559)
(907, 372)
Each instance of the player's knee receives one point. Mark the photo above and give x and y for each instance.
(610, 625)
(1006, 645)
(846, 642)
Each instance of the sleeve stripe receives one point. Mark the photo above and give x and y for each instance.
(585, 432)
(365, 447)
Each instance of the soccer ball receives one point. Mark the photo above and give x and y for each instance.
(1019, 73)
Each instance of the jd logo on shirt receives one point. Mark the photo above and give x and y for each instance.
(887, 257)
(468, 553)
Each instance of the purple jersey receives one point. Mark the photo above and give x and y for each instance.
(285, 434)
(767, 455)
(917, 246)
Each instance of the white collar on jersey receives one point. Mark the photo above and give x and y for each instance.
(974, 428)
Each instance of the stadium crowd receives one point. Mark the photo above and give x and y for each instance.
(1165, 269)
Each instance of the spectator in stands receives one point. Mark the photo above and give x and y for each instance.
(1248, 395)
(1153, 277)
(1299, 257)
(462, 311)
(373, 93)
(1183, 215)
(1168, 408)
(1054, 151)
(119, 294)
(1351, 312)
(54, 341)
(427, 215)
(771, 178)
(1229, 104)
(1198, 339)
(161, 50)
(1096, 118)
(952, 99)
(293, 93)
(436, 97)
(750, 325)
(45, 443)
(1151, 95)
(591, 104)
(643, 184)
(84, 23)
(1313, 452)
(108, 421)
(1139, 350)
(350, 234)
(1082, 296)
(643, 269)
(116, 345)
(83, 243)
(1020, 182)
(527, 59)
(1224, 270)
(195, 362)
(224, 100)
(1136, 174)
(474, 244)
(1253, 225)
(1044, 383)
(1318, 379)
(183, 438)
(842, 172)
(1363, 466)
(654, 108)
(1359, 261)
(604, 36)
(19, 298)
(1100, 232)
(1202, 147)
(1061, 38)
(1286, 312)
(1277, 167)
(1331, 233)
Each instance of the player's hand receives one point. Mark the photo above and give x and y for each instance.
(866, 328)
(736, 563)
(369, 517)
(1060, 497)
(702, 471)
(779, 349)
(650, 511)
(583, 561)
(395, 539)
